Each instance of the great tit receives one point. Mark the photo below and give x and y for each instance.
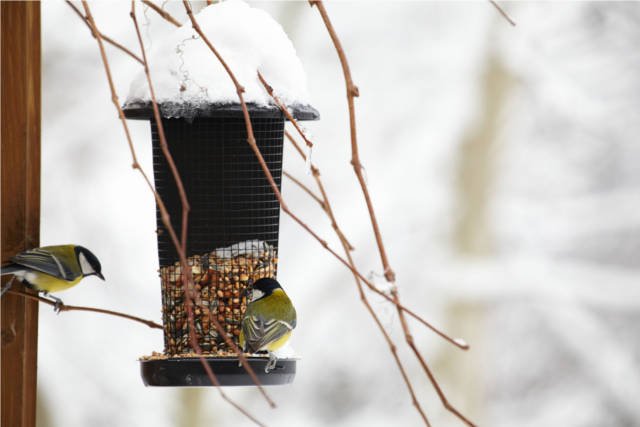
(52, 268)
(269, 320)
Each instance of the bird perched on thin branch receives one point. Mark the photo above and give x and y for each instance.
(52, 268)
(269, 320)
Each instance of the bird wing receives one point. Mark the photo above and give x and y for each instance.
(259, 332)
(45, 262)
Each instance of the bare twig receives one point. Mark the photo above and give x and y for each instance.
(166, 15)
(455, 341)
(252, 143)
(185, 210)
(365, 301)
(295, 144)
(164, 214)
(163, 140)
(187, 278)
(352, 93)
(387, 338)
(65, 307)
(326, 205)
(503, 13)
(284, 109)
(104, 37)
(304, 188)
(425, 366)
(283, 205)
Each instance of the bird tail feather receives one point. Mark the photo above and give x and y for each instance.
(10, 269)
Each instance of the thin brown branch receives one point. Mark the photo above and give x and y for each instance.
(285, 207)
(352, 93)
(185, 211)
(392, 347)
(425, 367)
(163, 140)
(316, 175)
(323, 203)
(164, 214)
(315, 171)
(65, 307)
(455, 341)
(252, 143)
(104, 37)
(214, 379)
(304, 188)
(163, 13)
(346, 246)
(387, 338)
(284, 109)
(187, 278)
(296, 145)
(326, 206)
(503, 13)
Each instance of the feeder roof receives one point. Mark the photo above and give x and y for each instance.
(189, 80)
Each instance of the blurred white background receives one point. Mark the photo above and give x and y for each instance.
(504, 165)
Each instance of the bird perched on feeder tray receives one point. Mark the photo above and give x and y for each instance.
(52, 268)
(269, 320)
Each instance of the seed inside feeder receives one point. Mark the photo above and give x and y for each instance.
(221, 280)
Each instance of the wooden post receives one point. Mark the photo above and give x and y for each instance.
(20, 202)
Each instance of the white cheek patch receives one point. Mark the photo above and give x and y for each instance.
(84, 264)
(256, 295)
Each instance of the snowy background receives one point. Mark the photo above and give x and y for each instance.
(504, 165)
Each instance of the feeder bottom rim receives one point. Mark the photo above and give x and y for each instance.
(191, 356)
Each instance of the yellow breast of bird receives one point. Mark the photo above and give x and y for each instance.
(47, 283)
(274, 345)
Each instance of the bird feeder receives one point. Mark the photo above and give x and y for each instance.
(232, 238)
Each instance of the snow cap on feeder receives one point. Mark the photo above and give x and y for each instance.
(189, 81)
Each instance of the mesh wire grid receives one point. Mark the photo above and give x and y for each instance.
(233, 222)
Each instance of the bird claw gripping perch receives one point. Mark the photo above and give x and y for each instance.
(271, 364)
(57, 303)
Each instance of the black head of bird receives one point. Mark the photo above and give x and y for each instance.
(263, 288)
(89, 263)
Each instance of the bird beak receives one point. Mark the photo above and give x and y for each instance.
(100, 275)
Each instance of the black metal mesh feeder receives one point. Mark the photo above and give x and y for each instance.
(232, 237)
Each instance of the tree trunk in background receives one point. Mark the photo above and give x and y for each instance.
(190, 409)
(20, 202)
(472, 233)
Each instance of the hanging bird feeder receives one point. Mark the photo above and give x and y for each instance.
(234, 215)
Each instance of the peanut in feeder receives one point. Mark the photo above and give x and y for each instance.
(232, 239)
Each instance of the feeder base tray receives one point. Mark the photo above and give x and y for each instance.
(189, 372)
